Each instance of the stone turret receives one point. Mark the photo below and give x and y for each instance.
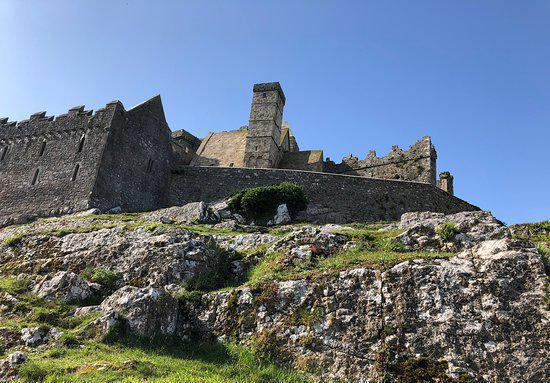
(264, 130)
(446, 182)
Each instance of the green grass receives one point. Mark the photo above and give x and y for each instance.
(539, 234)
(156, 361)
(270, 268)
(16, 238)
(197, 228)
(376, 249)
(13, 240)
(14, 286)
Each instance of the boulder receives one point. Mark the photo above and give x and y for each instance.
(148, 312)
(16, 358)
(35, 336)
(282, 217)
(306, 244)
(65, 286)
(194, 212)
(424, 230)
(114, 210)
(83, 311)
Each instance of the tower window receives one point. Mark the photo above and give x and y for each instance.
(81, 143)
(35, 177)
(42, 148)
(149, 165)
(75, 172)
(264, 95)
(4, 152)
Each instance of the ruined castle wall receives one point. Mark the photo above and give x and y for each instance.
(48, 165)
(184, 147)
(416, 164)
(222, 149)
(333, 198)
(135, 169)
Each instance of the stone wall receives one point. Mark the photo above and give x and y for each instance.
(51, 166)
(48, 165)
(222, 149)
(416, 164)
(311, 160)
(333, 198)
(135, 169)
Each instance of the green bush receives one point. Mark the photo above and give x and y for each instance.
(106, 278)
(262, 202)
(448, 231)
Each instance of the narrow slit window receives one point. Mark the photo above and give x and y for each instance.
(42, 148)
(81, 143)
(35, 177)
(75, 172)
(149, 165)
(4, 152)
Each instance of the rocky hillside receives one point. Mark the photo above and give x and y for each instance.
(192, 294)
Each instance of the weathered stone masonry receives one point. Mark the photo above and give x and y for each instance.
(79, 160)
(333, 198)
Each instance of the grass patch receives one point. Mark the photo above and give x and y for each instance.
(13, 240)
(199, 229)
(539, 234)
(155, 361)
(14, 286)
(375, 249)
(271, 267)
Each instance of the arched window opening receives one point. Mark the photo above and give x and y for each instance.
(4, 152)
(149, 165)
(75, 172)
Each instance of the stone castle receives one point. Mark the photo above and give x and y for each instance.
(132, 160)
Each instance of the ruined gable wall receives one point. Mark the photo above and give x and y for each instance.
(311, 160)
(61, 154)
(333, 197)
(135, 169)
(416, 164)
(184, 147)
(222, 149)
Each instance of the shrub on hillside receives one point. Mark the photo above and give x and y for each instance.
(106, 278)
(448, 231)
(261, 202)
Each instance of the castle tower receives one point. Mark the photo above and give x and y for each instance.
(264, 129)
(446, 182)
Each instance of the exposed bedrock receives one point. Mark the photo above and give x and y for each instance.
(484, 310)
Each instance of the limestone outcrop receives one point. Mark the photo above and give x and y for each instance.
(473, 299)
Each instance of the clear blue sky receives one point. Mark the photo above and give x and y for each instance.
(358, 75)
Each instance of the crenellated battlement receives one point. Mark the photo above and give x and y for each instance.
(39, 125)
(415, 164)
